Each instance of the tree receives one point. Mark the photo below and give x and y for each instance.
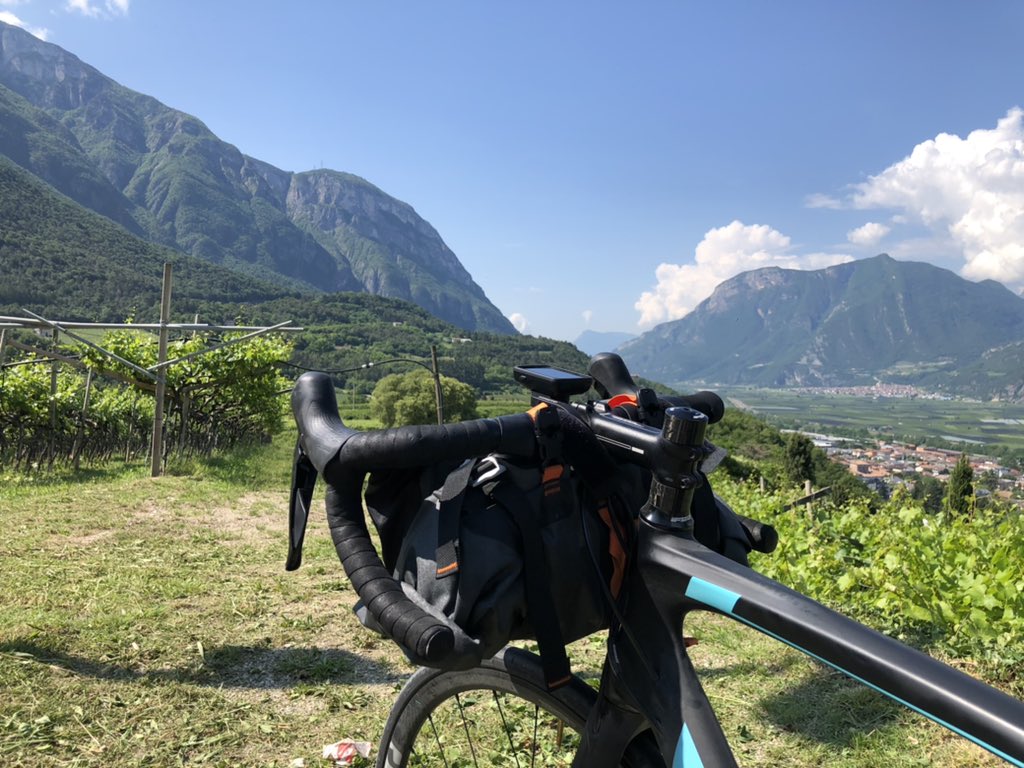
(408, 398)
(928, 490)
(799, 458)
(960, 488)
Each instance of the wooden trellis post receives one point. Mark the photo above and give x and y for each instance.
(157, 445)
(76, 448)
(54, 370)
(186, 403)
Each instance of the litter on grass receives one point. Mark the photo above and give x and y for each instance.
(345, 751)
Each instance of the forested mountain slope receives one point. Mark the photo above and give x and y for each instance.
(67, 263)
(163, 175)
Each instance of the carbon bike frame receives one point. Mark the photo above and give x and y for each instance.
(655, 686)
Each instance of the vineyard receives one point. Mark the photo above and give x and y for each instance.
(70, 403)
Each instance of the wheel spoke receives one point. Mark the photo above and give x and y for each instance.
(536, 718)
(508, 731)
(465, 726)
(437, 738)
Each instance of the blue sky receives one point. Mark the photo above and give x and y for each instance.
(604, 165)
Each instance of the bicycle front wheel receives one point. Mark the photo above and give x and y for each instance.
(498, 714)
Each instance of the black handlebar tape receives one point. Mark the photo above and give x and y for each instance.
(323, 435)
(611, 377)
(429, 638)
(708, 403)
(419, 446)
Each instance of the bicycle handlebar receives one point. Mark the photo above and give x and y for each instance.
(614, 383)
(343, 456)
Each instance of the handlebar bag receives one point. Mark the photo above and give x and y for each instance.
(503, 550)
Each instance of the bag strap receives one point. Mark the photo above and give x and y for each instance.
(449, 511)
(547, 428)
(525, 508)
(616, 550)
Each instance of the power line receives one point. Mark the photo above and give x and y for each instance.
(363, 367)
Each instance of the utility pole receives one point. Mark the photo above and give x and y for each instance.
(437, 385)
(156, 449)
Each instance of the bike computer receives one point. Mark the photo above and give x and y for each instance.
(551, 382)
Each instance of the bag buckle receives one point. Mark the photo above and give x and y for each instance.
(488, 468)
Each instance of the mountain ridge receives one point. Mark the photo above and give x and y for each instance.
(45, 237)
(171, 180)
(867, 320)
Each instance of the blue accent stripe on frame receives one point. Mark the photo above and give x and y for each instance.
(711, 594)
(686, 751)
(935, 718)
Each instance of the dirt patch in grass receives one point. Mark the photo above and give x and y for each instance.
(255, 517)
(88, 539)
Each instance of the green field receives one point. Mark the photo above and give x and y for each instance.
(975, 425)
(151, 623)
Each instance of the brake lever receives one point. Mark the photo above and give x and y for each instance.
(304, 476)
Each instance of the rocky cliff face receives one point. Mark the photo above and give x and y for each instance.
(46, 74)
(391, 250)
(164, 174)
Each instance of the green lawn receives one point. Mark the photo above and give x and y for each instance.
(151, 623)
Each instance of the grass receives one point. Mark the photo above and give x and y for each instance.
(151, 623)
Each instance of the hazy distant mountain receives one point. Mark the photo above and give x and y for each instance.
(593, 342)
(163, 175)
(854, 323)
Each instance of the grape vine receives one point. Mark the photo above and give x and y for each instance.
(219, 399)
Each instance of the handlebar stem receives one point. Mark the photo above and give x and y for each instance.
(672, 487)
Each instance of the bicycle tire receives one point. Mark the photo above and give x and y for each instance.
(513, 673)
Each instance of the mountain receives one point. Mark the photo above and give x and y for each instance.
(867, 320)
(61, 260)
(66, 262)
(593, 342)
(163, 175)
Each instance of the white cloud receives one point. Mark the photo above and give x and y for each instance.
(519, 322)
(868, 234)
(6, 16)
(588, 315)
(969, 192)
(723, 253)
(84, 7)
(93, 9)
(818, 200)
